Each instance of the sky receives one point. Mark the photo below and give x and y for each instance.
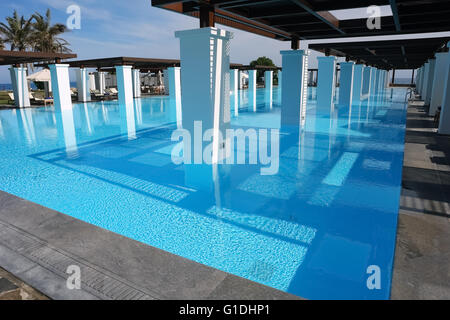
(134, 28)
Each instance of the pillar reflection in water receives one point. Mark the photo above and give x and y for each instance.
(86, 111)
(66, 131)
(127, 120)
(25, 121)
(138, 111)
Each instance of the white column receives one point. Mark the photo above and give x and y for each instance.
(424, 86)
(357, 83)
(20, 86)
(252, 90)
(367, 71)
(100, 81)
(234, 80)
(430, 78)
(346, 83)
(280, 88)
(438, 82)
(166, 82)
(205, 67)
(326, 81)
(174, 80)
(61, 86)
(91, 81)
(268, 91)
(136, 74)
(84, 93)
(444, 122)
(293, 98)
(124, 84)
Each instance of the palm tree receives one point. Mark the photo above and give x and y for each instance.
(17, 32)
(45, 35)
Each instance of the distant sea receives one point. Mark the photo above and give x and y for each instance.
(8, 86)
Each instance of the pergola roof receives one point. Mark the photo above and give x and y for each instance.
(311, 19)
(265, 68)
(19, 57)
(138, 63)
(386, 54)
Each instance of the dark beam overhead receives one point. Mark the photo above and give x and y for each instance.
(391, 54)
(24, 57)
(311, 19)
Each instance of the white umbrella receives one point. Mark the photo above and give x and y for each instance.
(42, 76)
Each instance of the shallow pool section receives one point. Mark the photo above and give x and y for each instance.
(314, 229)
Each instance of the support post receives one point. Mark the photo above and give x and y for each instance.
(61, 86)
(293, 97)
(136, 74)
(205, 67)
(326, 81)
(268, 84)
(20, 86)
(124, 84)
(346, 83)
(430, 86)
(424, 88)
(367, 75)
(438, 82)
(252, 90)
(444, 122)
(357, 83)
(83, 88)
(234, 86)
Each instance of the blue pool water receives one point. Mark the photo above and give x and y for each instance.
(312, 230)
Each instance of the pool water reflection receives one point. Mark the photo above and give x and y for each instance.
(312, 230)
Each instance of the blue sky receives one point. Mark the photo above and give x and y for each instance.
(134, 28)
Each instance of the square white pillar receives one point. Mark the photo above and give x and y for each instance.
(367, 73)
(84, 93)
(166, 82)
(20, 86)
(124, 84)
(100, 82)
(252, 90)
(234, 80)
(430, 78)
(61, 86)
(326, 81)
(346, 84)
(357, 83)
(438, 82)
(268, 91)
(205, 72)
(174, 80)
(136, 74)
(424, 87)
(444, 122)
(293, 97)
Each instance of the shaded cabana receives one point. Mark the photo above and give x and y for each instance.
(18, 61)
(127, 70)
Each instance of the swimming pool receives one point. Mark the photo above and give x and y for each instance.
(312, 230)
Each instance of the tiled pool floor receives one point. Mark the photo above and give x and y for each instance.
(311, 230)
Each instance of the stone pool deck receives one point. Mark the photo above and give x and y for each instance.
(38, 244)
(422, 258)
